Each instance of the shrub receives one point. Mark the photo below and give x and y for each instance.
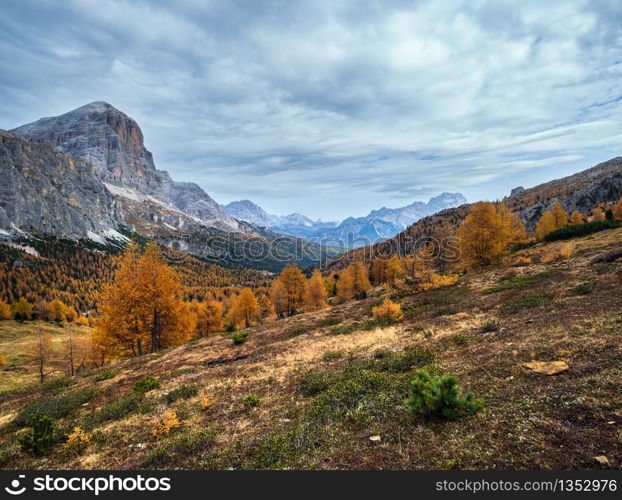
(438, 281)
(526, 302)
(439, 397)
(332, 355)
(314, 382)
(105, 375)
(230, 328)
(149, 383)
(77, 441)
(134, 402)
(329, 322)
(2, 360)
(577, 230)
(163, 425)
(388, 310)
(344, 329)
(240, 337)
(557, 253)
(182, 392)
(521, 261)
(55, 406)
(583, 288)
(490, 325)
(459, 340)
(41, 437)
(206, 402)
(513, 282)
(445, 311)
(250, 401)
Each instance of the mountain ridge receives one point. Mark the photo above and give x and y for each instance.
(378, 225)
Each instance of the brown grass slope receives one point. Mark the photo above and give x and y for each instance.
(330, 380)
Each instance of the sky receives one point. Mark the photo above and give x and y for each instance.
(332, 108)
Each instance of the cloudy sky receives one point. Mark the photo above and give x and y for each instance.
(330, 107)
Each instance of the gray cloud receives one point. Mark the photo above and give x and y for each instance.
(332, 108)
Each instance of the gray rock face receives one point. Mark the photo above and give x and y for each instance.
(113, 143)
(50, 192)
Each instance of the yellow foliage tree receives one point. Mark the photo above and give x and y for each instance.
(617, 210)
(387, 310)
(244, 309)
(278, 296)
(545, 225)
(209, 317)
(294, 282)
(560, 216)
(577, 218)
(551, 220)
(315, 293)
(394, 269)
(5, 310)
(486, 233)
(22, 309)
(353, 281)
(143, 308)
(598, 215)
(59, 311)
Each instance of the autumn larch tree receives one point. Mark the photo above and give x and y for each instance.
(551, 220)
(244, 309)
(143, 306)
(486, 233)
(5, 310)
(353, 281)
(210, 317)
(294, 282)
(577, 218)
(22, 310)
(315, 293)
(278, 296)
(598, 215)
(41, 350)
(59, 311)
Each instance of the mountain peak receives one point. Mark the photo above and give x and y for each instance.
(95, 107)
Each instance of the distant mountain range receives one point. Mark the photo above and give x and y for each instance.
(353, 232)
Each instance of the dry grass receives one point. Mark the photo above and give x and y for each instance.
(530, 420)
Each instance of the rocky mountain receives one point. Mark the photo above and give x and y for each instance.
(48, 191)
(87, 175)
(113, 143)
(352, 232)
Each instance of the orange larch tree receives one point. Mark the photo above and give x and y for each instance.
(315, 293)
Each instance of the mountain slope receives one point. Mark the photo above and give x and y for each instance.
(50, 192)
(113, 143)
(354, 381)
(580, 191)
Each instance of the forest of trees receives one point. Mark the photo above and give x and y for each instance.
(140, 300)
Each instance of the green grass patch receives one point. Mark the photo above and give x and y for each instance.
(332, 355)
(526, 302)
(518, 282)
(105, 375)
(184, 391)
(55, 407)
(583, 288)
(131, 403)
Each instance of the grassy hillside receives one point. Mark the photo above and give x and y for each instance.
(327, 382)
